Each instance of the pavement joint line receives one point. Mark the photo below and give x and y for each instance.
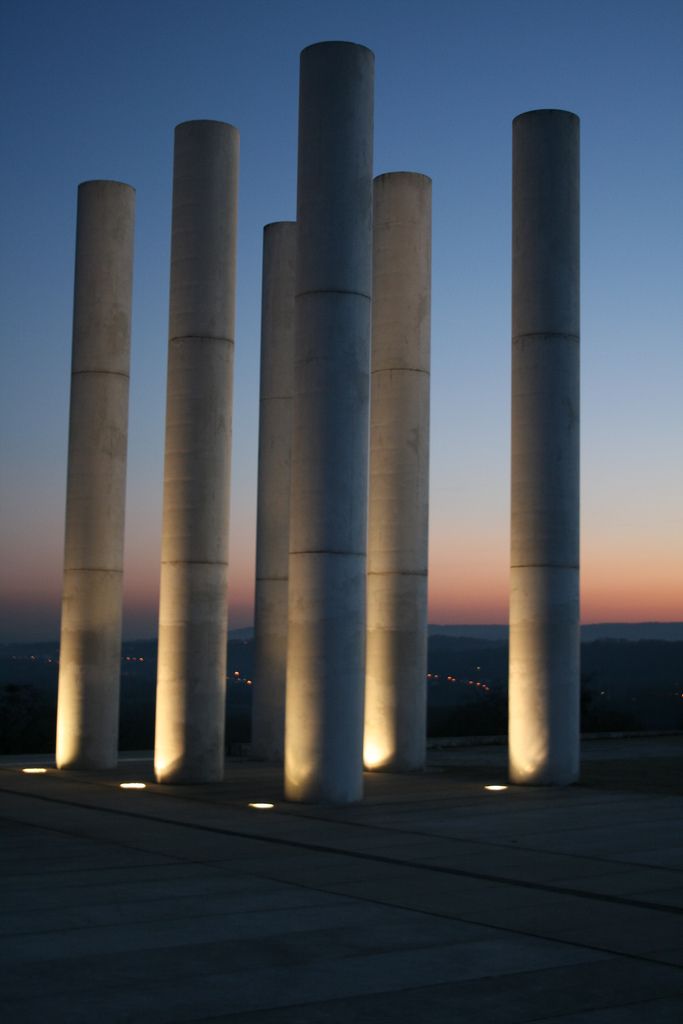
(539, 937)
(279, 1006)
(294, 812)
(479, 841)
(364, 856)
(613, 954)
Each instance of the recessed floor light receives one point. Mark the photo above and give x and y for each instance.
(133, 785)
(34, 771)
(495, 789)
(262, 807)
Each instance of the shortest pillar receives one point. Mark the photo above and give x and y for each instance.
(272, 518)
(396, 666)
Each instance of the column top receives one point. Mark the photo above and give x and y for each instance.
(274, 224)
(95, 182)
(547, 112)
(205, 123)
(337, 44)
(411, 175)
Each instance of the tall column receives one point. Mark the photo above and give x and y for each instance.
(544, 595)
(272, 516)
(193, 615)
(90, 645)
(396, 667)
(328, 513)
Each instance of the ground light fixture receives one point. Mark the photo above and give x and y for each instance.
(495, 789)
(34, 771)
(262, 806)
(133, 785)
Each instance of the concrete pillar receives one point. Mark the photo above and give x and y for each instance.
(328, 512)
(272, 516)
(193, 617)
(90, 645)
(544, 596)
(396, 666)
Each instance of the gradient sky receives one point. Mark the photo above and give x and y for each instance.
(93, 90)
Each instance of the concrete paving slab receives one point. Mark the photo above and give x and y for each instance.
(176, 908)
(204, 926)
(656, 1011)
(513, 999)
(184, 1000)
(179, 903)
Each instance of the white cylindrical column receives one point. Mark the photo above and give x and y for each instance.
(328, 513)
(544, 584)
(193, 617)
(90, 645)
(396, 666)
(272, 516)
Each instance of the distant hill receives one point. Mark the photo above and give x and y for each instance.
(489, 633)
(672, 631)
(631, 678)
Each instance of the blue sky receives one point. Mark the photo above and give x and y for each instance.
(94, 90)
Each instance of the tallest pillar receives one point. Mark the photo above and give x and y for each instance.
(544, 596)
(329, 455)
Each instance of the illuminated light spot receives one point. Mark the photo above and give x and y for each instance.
(34, 771)
(495, 789)
(133, 785)
(262, 807)
(378, 748)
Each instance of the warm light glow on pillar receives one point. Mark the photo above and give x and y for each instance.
(380, 750)
(329, 450)
(193, 612)
(90, 636)
(396, 648)
(544, 656)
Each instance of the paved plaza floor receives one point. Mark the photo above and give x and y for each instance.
(433, 900)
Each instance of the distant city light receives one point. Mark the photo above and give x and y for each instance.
(495, 789)
(34, 771)
(133, 785)
(262, 807)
